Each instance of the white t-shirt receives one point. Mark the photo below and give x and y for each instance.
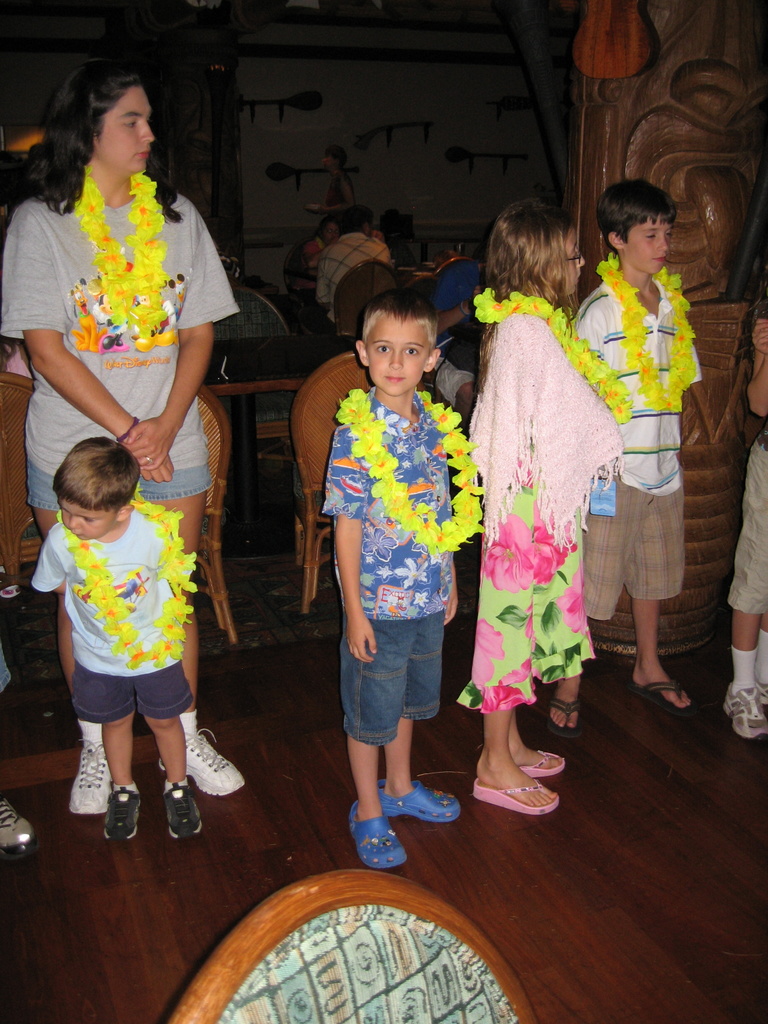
(134, 561)
(651, 438)
(50, 283)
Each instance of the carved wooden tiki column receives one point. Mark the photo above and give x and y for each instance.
(689, 123)
(201, 114)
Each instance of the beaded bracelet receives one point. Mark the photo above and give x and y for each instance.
(122, 437)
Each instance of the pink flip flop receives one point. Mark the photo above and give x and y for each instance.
(505, 798)
(537, 771)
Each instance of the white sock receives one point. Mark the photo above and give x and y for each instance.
(129, 785)
(761, 665)
(172, 785)
(189, 724)
(743, 670)
(91, 732)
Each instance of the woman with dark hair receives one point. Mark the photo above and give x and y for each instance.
(113, 282)
(340, 194)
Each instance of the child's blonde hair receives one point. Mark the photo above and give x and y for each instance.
(402, 304)
(526, 253)
(98, 474)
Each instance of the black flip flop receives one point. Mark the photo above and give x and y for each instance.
(653, 692)
(568, 708)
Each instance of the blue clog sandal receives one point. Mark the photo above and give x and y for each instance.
(377, 845)
(423, 803)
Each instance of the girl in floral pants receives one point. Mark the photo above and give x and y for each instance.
(543, 435)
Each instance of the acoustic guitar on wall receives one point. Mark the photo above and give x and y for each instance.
(615, 39)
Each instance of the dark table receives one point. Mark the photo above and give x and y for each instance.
(242, 369)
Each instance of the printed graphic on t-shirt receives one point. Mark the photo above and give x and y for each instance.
(393, 602)
(97, 331)
(134, 586)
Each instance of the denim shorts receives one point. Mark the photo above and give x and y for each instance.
(102, 697)
(402, 681)
(185, 483)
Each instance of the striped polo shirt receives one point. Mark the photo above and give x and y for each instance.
(651, 438)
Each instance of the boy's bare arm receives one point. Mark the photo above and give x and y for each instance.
(757, 389)
(348, 538)
(453, 598)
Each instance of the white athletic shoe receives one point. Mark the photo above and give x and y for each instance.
(212, 773)
(93, 785)
(17, 837)
(749, 720)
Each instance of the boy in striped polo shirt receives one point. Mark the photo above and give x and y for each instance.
(635, 320)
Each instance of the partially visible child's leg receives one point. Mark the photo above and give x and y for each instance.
(742, 701)
(761, 663)
(171, 745)
(364, 763)
(496, 768)
(646, 615)
(397, 755)
(90, 790)
(118, 746)
(564, 706)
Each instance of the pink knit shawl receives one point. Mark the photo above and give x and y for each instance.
(538, 420)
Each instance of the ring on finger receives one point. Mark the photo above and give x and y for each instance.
(148, 460)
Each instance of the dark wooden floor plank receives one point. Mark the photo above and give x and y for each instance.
(641, 900)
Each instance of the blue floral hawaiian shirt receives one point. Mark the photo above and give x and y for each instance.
(399, 579)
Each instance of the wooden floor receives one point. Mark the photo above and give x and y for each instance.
(641, 900)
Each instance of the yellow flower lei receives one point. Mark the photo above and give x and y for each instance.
(595, 370)
(134, 290)
(682, 366)
(98, 589)
(421, 521)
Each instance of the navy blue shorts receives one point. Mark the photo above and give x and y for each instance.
(402, 681)
(102, 697)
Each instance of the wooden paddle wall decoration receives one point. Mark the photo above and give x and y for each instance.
(616, 39)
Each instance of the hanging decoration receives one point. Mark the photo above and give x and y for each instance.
(507, 103)
(279, 172)
(363, 141)
(455, 155)
(299, 101)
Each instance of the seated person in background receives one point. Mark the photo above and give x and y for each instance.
(13, 357)
(340, 194)
(327, 233)
(457, 284)
(357, 243)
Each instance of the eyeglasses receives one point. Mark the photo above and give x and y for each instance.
(578, 256)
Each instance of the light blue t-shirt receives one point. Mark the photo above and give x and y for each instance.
(134, 561)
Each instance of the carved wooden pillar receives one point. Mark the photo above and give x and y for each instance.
(200, 97)
(691, 124)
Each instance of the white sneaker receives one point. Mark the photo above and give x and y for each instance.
(211, 772)
(749, 721)
(93, 785)
(17, 837)
(762, 692)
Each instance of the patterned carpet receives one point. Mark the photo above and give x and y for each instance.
(264, 595)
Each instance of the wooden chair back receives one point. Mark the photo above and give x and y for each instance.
(389, 949)
(19, 541)
(356, 289)
(313, 421)
(210, 564)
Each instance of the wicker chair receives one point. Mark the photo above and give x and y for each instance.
(209, 561)
(351, 946)
(19, 539)
(356, 289)
(312, 425)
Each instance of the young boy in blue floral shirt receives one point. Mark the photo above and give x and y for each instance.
(398, 590)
